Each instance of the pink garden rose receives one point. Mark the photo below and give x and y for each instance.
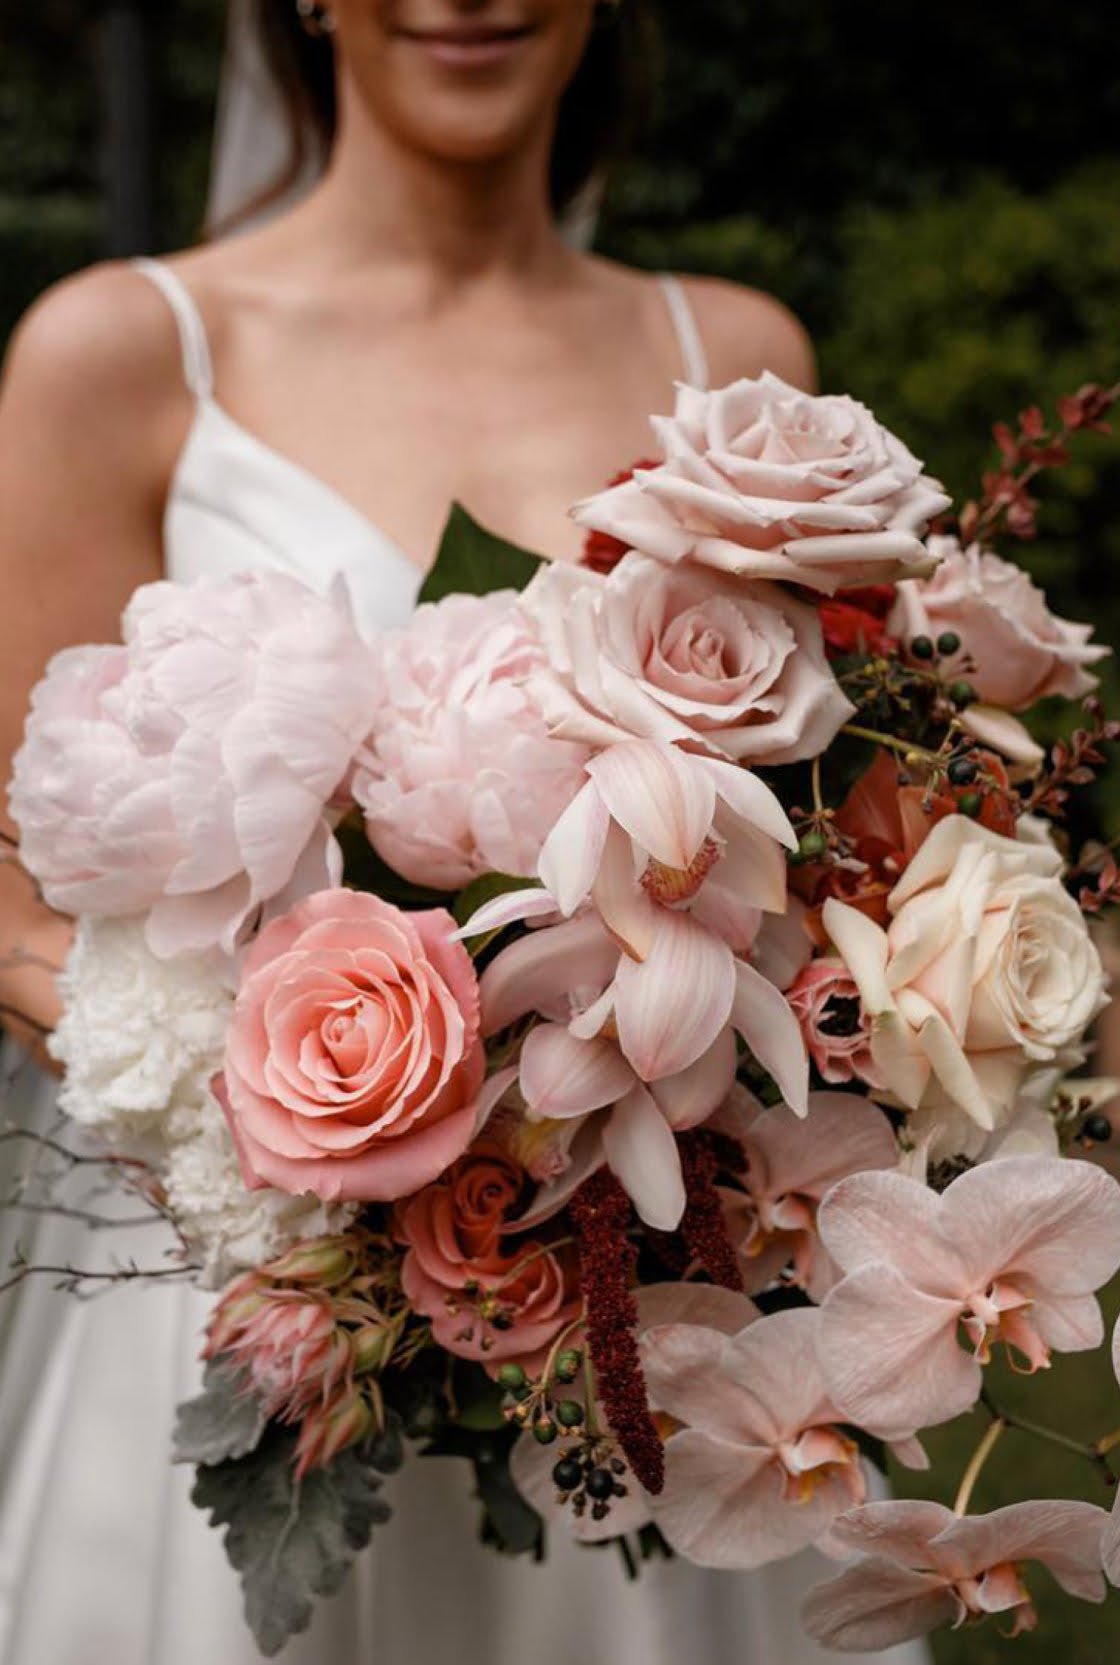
(826, 1003)
(682, 655)
(761, 480)
(354, 1065)
(985, 976)
(1014, 650)
(187, 772)
(458, 776)
(924, 1567)
(490, 1295)
(759, 1468)
(1010, 1252)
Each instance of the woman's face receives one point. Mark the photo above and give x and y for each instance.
(461, 80)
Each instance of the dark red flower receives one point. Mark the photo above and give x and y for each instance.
(601, 552)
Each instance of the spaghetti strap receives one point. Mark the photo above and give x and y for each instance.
(198, 370)
(693, 357)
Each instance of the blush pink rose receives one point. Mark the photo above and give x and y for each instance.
(761, 480)
(1017, 650)
(458, 776)
(685, 656)
(353, 1066)
(489, 1296)
(188, 771)
(826, 1003)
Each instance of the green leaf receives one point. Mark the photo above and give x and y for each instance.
(484, 889)
(292, 1542)
(223, 1422)
(479, 1402)
(473, 561)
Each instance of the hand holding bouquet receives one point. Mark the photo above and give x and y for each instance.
(617, 1029)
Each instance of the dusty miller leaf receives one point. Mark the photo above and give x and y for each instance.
(294, 1542)
(223, 1422)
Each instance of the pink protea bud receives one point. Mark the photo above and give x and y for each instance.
(287, 1345)
(332, 1427)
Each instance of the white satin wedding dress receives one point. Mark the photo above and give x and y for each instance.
(103, 1560)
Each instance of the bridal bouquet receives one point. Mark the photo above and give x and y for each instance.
(618, 1028)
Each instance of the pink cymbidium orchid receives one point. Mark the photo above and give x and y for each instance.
(1011, 1252)
(924, 1567)
(791, 1164)
(758, 1470)
(644, 1050)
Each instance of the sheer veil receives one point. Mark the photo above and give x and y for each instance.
(251, 142)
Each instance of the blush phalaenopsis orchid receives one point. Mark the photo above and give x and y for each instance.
(1011, 1252)
(762, 480)
(458, 776)
(791, 1163)
(189, 771)
(758, 1468)
(923, 1567)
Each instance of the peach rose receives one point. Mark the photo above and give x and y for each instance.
(826, 1003)
(1017, 649)
(489, 1296)
(353, 1064)
(762, 480)
(686, 656)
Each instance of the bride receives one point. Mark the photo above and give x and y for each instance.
(313, 395)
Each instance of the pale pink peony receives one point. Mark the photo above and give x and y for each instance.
(925, 1567)
(685, 656)
(1013, 650)
(791, 1163)
(354, 1067)
(489, 1295)
(985, 976)
(188, 771)
(1011, 1252)
(458, 776)
(760, 1468)
(761, 480)
(826, 1003)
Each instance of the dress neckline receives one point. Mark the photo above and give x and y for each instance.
(209, 409)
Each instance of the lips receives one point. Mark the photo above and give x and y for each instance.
(469, 45)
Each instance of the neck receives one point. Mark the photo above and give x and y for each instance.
(456, 219)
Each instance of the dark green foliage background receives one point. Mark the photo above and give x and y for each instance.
(935, 189)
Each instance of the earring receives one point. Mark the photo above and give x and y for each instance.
(316, 18)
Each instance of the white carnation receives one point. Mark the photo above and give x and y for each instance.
(141, 1039)
(230, 1228)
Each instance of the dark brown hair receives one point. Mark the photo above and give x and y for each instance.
(600, 112)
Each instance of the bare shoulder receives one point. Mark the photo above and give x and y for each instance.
(104, 330)
(746, 331)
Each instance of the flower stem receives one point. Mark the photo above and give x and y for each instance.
(976, 1462)
(892, 742)
(1107, 1443)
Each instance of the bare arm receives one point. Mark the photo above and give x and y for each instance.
(89, 427)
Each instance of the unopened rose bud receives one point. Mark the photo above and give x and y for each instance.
(373, 1347)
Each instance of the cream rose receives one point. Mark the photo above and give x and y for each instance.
(985, 976)
(684, 656)
(764, 481)
(1018, 650)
